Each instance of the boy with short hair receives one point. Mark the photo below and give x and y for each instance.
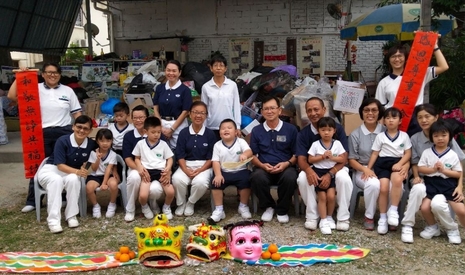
(230, 149)
(119, 128)
(156, 157)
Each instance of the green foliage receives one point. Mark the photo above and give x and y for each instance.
(75, 53)
(448, 90)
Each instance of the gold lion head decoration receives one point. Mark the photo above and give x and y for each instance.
(160, 245)
(207, 242)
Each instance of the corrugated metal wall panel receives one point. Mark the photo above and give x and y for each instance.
(39, 26)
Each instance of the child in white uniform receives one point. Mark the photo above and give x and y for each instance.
(324, 154)
(103, 160)
(442, 169)
(230, 149)
(391, 150)
(155, 156)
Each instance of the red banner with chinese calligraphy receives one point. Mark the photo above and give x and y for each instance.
(414, 75)
(30, 121)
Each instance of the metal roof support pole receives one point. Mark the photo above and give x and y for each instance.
(425, 25)
(89, 28)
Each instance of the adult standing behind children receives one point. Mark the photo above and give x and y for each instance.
(63, 171)
(308, 179)
(171, 103)
(134, 178)
(273, 146)
(194, 153)
(58, 106)
(221, 96)
(388, 87)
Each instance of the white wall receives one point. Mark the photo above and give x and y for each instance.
(213, 22)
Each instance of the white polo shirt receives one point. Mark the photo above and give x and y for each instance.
(392, 147)
(57, 105)
(223, 153)
(118, 134)
(152, 157)
(110, 158)
(318, 148)
(448, 158)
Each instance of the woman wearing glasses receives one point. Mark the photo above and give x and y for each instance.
(194, 152)
(171, 103)
(386, 91)
(64, 170)
(58, 106)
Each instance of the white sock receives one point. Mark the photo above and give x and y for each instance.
(97, 205)
(407, 226)
(112, 204)
(393, 208)
(166, 206)
(242, 204)
(435, 226)
(382, 216)
(325, 219)
(219, 207)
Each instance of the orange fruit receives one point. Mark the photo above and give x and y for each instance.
(266, 255)
(117, 256)
(124, 258)
(132, 254)
(124, 249)
(276, 256)
(273, 248)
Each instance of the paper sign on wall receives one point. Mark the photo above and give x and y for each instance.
(348, 98)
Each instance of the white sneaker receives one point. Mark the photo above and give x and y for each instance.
(96, 211)
(28, 208)
(382, 226)
(180, 210)
(393, 218)
(168, 213)
(325, 228)
(55, 228)
(148, 214)
(155, 208)
(244, 212)
(311, 224)
(218, 215)
(283, 218)
(129, 217)
(454, 236)
(267, 216)
(73, 222)
(343, 225)
(407, 234)
(332, 223)
(430, 231)
(111, 210)
(189, 210)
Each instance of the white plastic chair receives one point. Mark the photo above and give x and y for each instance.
(122, 186)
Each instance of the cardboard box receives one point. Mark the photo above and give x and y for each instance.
(351, 122)
(92, 108)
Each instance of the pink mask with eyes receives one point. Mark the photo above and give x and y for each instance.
(245, 242)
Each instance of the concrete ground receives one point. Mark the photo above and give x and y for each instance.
(13, 184)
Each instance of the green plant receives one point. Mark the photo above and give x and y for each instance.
(75, 53)
(448, 90)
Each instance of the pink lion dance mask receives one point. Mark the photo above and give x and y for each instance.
(245, 241)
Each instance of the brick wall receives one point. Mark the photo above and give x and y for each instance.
(213, 22)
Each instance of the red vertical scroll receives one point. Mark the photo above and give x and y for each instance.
(30, 121)
(414, 75)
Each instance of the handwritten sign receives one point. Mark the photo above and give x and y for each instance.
(30, 121)
(96, 72)
(414, 75)
(348, 97)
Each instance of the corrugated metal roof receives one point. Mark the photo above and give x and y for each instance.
(37, 26)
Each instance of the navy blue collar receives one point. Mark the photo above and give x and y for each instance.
(394, 76)
(48, 88)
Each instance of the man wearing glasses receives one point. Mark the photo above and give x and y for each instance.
(59, 105)
(273, 144)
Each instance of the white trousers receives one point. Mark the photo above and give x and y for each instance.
(344, 192)
(174, 137)
(133, 186)
(370, 188)
(415, 198)
(200, 183)
(55, 181)
(440, 209)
